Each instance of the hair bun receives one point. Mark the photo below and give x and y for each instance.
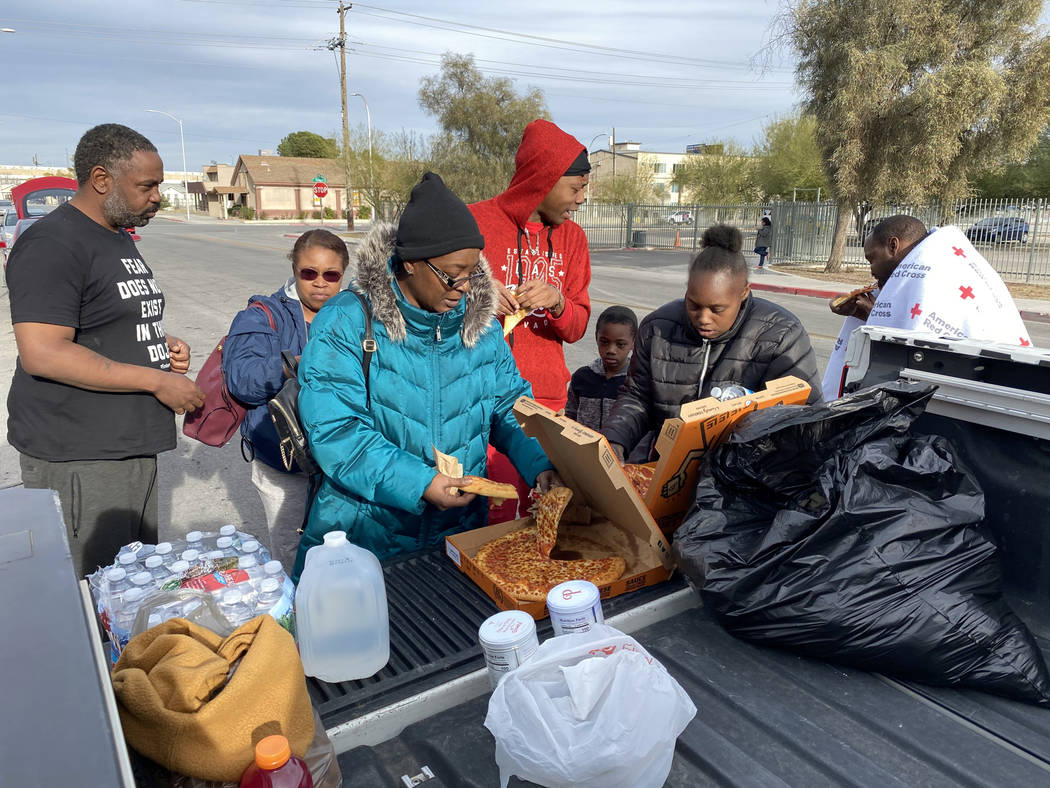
(723, 236)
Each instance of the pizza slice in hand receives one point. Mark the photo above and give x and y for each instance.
(511, 321)
(496, 492)
(641, 477)
(549, 510)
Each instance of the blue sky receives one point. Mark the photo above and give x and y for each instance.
(241, 74)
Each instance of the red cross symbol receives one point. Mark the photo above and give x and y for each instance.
(1025, 342)
(959, 252)
(967, 292)
(915, 311)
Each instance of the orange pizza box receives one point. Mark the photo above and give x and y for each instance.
(605, 509)
(700, 426)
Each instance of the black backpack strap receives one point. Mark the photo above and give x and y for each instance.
(368, 346)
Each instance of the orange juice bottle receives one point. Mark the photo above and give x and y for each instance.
(276, 767)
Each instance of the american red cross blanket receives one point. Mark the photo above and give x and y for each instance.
(943, 288)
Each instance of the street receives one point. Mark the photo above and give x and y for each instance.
(208, 271)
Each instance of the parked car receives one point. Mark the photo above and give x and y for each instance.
(680, 217)
(999, 229)
(32, 199)
(8, 220)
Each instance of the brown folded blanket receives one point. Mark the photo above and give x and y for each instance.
(180, 707)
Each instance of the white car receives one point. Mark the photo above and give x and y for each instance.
(680, 217)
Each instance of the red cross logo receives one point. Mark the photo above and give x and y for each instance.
(915, 311)
(1025, 342)
(966, 292)
(959, 252)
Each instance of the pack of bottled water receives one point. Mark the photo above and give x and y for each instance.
(227, 573)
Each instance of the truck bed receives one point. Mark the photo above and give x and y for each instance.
(766, 717)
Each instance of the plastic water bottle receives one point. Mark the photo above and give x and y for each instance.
(116, 584)
(228, 530)
(191, 556)
(247, 562)
(127, 560)
(225, 545)
(234, 607)
(250, 547)
(195, 541)
(341, 612)
(155, 567)
(179, 568)
(164, 551)
(124, 616)
(142, 580)
(269, 595)
(275, 766)
(273, 569)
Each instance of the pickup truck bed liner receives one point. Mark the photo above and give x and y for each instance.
(766, 717)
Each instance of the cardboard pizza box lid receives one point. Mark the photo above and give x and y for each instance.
(589, 468)
(700, 426)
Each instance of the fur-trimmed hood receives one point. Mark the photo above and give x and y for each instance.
(375, 281)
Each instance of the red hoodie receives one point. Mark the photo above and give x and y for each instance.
(519, 250)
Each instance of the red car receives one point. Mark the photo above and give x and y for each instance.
(35, 198)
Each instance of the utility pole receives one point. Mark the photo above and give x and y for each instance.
(612, 144)
(348, 206)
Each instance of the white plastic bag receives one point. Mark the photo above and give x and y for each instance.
(589, 709)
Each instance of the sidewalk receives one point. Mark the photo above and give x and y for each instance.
(774, 281)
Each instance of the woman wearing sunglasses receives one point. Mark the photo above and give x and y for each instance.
(251, 363)
(440, 376)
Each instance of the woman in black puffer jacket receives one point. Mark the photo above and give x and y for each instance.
(718, 335)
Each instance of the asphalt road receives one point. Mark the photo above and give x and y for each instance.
(208, 272)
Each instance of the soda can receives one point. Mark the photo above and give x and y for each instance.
(507, 639)
(575, 606)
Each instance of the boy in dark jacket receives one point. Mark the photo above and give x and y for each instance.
(719, 334)
(593, 388)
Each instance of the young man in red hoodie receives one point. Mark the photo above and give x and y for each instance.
(541, 263)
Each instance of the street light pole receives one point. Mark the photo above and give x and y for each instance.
(371, 179)
(182, 144)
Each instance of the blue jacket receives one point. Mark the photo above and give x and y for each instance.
(437, 380)
(251, 364)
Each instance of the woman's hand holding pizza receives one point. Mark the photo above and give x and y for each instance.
(439, 493)
(507, 304)
(547, 479)
(536, 294)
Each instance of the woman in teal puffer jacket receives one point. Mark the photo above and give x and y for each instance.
(441, 376)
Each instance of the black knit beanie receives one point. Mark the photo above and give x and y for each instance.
(581, 165)
(435, 222)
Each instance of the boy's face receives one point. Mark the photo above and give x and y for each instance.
(615, 342)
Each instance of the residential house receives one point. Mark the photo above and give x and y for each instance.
(282, 186)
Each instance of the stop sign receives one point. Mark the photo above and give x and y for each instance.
(320, 189)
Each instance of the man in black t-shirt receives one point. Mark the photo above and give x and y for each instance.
(98, 380)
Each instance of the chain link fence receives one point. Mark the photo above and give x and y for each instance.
(1012, 234)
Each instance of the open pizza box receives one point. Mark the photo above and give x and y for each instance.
(700, 426)
(605, 511)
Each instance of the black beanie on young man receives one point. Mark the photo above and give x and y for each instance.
(581, 165)
(435, 222)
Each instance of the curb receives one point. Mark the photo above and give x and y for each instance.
(1036, 317)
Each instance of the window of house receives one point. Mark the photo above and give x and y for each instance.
(659, 168)
(674, 188)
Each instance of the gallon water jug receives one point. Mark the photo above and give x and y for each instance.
(341, 612)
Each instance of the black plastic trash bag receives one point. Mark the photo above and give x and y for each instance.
(830, 531)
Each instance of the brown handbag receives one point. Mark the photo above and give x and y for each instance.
(216, 421)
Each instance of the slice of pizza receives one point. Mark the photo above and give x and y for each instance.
(842, 299)
(511, 321)
(496, 492)
(549, 510)
(641, 477)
